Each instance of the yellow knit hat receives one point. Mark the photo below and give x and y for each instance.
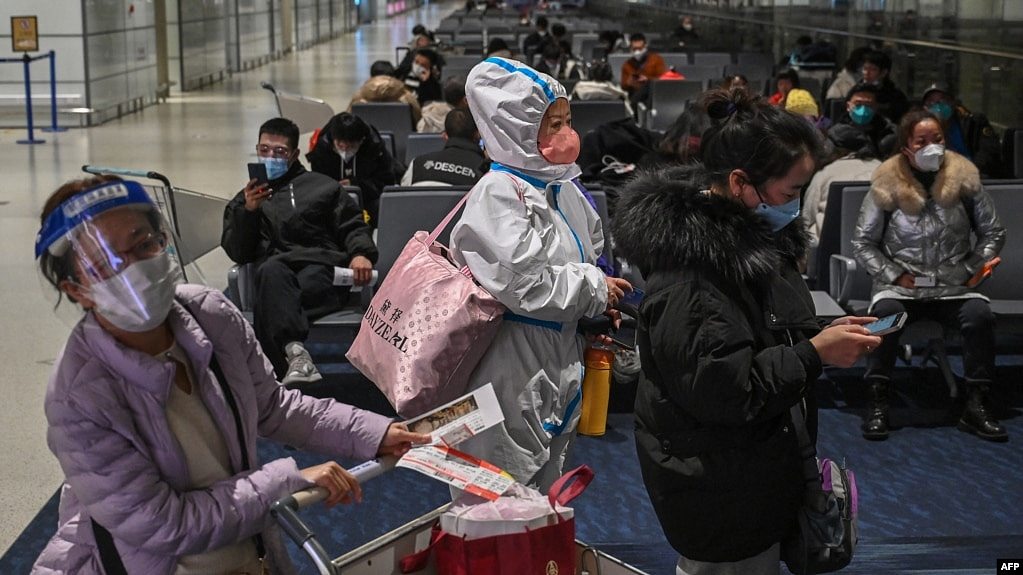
(801, 102)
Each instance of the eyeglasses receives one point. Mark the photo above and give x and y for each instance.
(113, 262)
(273, 151)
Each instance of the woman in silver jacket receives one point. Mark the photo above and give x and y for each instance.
(914, 238)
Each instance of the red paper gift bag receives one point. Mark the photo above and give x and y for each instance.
(548, 550)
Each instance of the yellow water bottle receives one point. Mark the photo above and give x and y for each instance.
(596, 391)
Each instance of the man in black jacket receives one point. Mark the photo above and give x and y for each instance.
(534, 42)
(299, 228)
(350, 151)
(891, 101)
(460, 163)
(862, 116)
(967, 133)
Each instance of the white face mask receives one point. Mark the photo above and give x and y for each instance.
(419, 71)
(140, 297)
(346, 155)
(638, 54)
(928, 158)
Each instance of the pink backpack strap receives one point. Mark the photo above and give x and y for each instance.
(447, 219)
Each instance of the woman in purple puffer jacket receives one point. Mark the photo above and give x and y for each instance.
(156, 402)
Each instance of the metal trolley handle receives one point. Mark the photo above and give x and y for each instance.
(285, 511)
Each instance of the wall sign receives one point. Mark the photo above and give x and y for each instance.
(24, 34)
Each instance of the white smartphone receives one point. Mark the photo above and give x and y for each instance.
(887, 324)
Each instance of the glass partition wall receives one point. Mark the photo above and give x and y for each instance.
(976, 47)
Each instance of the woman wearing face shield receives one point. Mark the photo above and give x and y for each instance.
(915, 238)
(530, 238)
(729, 340)
(157, 399)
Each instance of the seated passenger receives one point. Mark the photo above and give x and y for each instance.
(915, 238)
(558, 64)
(498, 48)
(422, 39)
(460, 163)
(382, 86)
(157, 400)
(422, 77)
(685, 36)
(735, 81)
(784, 82)
(680, 144)
(351, 152)
(856, 160)
(297, 229)
(534, 43)
(434, 112)
(801, 103)
(643, 66)
(861, 116)
(969, 134)
(848, 76)
(891, 101)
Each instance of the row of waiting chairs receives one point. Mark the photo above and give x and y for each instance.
(403, 212)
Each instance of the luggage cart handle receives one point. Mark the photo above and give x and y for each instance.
(126, 172)
(285, 510)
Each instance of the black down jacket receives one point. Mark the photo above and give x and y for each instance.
(723, 339)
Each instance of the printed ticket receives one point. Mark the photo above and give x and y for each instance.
(454, 422)
(449, 425)
(459, 469)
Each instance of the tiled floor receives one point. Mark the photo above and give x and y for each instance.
(201, 140)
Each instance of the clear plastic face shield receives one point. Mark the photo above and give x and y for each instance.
(111, 250)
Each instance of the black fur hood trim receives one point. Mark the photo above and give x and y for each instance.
(663, 222)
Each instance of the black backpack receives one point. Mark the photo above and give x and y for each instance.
(621, 139)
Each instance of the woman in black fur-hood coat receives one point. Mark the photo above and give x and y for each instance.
(723, 339)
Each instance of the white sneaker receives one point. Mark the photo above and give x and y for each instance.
(301, 368)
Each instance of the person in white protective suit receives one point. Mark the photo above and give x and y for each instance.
(531, 239)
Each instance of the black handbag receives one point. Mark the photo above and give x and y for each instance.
(826, 535)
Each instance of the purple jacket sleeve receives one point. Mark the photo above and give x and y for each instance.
(121, 488)
(321, 425)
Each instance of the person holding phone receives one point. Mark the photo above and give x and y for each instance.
(156, 402)
(729, 340)
(299, 228)
(915, 237)
(532, 240)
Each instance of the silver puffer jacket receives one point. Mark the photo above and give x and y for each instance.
(926, 232)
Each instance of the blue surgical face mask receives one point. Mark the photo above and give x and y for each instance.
(862, 114)
(777, 216)
(275, 167)
(941, 109)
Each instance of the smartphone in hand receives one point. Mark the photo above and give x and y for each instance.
(984, 272)
(257, 171)
(888, 324)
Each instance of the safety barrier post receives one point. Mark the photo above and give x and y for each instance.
(53, 95)
(28, 103)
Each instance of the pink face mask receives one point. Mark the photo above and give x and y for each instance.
(562, 147)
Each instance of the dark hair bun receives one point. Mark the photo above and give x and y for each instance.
(722, 105)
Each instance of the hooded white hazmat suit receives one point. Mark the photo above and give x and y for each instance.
(531, 239)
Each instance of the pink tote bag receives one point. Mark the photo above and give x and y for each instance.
(426, 328)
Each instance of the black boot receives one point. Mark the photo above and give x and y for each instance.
(875, 427)
(976, 419)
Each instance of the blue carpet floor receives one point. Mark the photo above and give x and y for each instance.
(932, 499)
